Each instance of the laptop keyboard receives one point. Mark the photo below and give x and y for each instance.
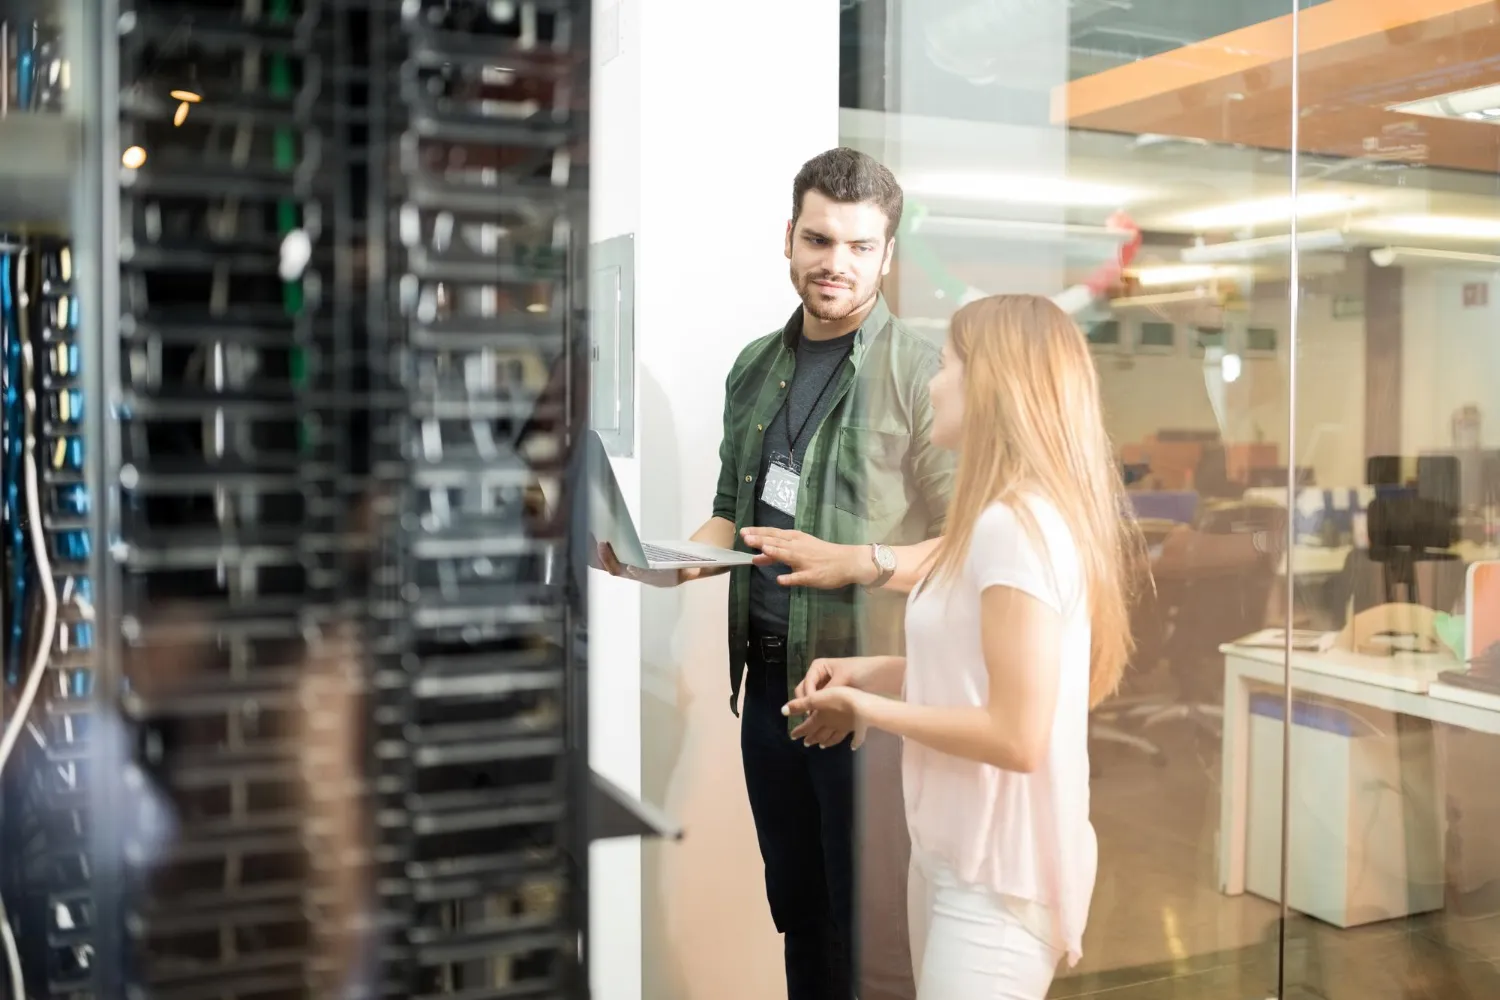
(658, 554)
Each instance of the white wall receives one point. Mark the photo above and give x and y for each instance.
(1450, 355)
(733, 100)
(1146, 393)
(1450, 358)
(700, 124)
(1331, 393)
(614, 605)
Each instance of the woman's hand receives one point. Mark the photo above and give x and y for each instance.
(833, 672)
(832, 714)
(827, 729)
(812, 561)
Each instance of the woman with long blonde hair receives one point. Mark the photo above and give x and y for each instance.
(1018, 627)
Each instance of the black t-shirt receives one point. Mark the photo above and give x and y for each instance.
(809, 398)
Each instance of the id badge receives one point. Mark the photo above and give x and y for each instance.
(781, 489)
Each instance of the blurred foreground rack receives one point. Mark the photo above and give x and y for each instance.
(292, 321)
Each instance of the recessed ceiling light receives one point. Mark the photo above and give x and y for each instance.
(133, 158)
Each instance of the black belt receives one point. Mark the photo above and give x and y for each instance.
(767, 648)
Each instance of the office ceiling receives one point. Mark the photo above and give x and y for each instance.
(1358, 59)
(1102, 34)
(1108, 33)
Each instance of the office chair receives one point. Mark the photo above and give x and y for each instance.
(1117, 721)
(1114, 722)
(1211, 608)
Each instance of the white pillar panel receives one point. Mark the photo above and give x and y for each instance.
(614, 605)
(703, 112)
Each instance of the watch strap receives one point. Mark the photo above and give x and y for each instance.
(883, 574)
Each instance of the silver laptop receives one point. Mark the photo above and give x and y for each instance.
(610, 521)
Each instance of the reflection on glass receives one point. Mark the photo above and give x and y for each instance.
(1392, 874)
(1019, 129)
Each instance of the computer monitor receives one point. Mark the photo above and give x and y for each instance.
(1440, 479)
(1383, 470)
(1273, 476)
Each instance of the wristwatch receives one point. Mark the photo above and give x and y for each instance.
(885, 563)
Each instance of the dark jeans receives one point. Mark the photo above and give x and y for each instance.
(803, 802)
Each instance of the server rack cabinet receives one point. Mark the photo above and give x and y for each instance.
(300, 359)
(478, 192)
(51, 385)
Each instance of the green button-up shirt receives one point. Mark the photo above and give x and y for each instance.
(870, 474)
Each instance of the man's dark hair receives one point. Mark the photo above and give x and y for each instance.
(848, 176)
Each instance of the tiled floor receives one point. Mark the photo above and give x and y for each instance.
(1160, 930)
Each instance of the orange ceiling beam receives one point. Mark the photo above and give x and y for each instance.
(1260, 45)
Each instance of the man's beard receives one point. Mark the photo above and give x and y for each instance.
(813, 302)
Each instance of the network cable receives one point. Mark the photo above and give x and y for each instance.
(38, 669)
(12, 274)
(26, 42)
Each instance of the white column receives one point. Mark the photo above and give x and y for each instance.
(614, 605)
(700, 123)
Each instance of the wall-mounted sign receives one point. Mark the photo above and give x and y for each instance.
(1348, 306)
(1476, 294)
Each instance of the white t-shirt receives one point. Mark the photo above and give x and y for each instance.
(1027, 837)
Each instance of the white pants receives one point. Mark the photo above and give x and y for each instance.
(966, 944)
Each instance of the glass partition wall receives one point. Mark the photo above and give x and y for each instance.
(1392, 868)
(1296, 369)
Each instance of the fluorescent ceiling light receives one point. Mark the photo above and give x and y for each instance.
(1458, 227)
(1265, 247)
(1266, 211)
(1386, 256)
(1482, 104)
(1181, 274)
(1021, 190)
(1160, 299)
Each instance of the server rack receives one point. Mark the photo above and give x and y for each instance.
(304, 325)
(477, 204)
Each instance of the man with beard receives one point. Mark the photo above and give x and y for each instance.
(825, 432)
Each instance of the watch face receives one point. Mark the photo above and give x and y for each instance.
(885, 558)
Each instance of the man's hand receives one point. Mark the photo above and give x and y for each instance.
(610, 563)
(833, 713)
(812, 561)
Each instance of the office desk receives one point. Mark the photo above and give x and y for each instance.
(1315, 560)
(1405, 684)
(1318, 560)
